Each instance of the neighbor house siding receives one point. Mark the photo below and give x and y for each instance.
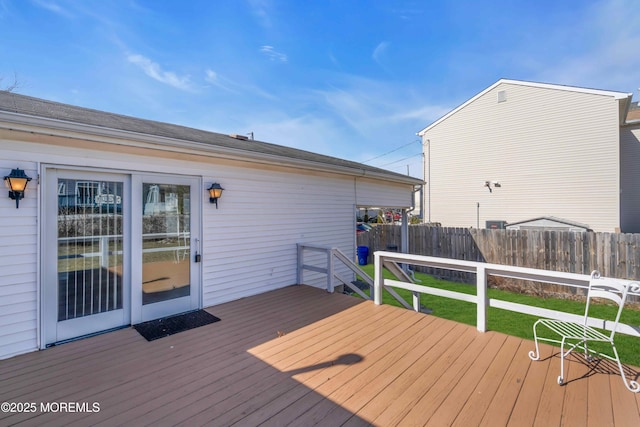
(554, 152)
(630, 179)
(18, 263)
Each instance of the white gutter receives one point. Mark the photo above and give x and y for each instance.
(54, 127)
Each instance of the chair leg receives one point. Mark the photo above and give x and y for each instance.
(535, 355)
(633, 386)
(561, 377)
(588, 357)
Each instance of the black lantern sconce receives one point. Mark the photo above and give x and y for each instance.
(17, 181)
(215, 192)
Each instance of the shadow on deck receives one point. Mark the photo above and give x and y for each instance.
(300, 356)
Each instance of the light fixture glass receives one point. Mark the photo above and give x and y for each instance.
(17, 181)
(215, 192)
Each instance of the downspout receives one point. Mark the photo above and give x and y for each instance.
(404, 228)
(426, 170)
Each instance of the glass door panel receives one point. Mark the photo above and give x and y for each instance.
(86, 245)
(166, 242)
(90, 247)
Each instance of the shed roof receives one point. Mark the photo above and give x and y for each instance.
(623, 97)
(551, 220)
(22, 109)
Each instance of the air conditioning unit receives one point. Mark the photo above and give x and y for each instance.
(496, 225)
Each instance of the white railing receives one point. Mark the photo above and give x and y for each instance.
(482, 271)
(104, 241)
(332, 257)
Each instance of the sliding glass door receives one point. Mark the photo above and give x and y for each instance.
(87, 243)
(166, 242)
(118, 250)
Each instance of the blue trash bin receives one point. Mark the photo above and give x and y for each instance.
(363, 255)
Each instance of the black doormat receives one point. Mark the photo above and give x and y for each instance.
(160, 328)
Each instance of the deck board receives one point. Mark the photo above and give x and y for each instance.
(299, 356)
(477, 402)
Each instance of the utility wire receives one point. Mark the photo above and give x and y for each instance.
(401, 160)
(392, 151)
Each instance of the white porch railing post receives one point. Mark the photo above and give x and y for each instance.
(330, 270)
(300, 264)
(481, 293)
(377, 278)
(416, 301)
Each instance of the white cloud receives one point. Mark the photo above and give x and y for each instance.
(272, 54)
(374, 108)
(154, 71)
(212, 76)
(379, 51)
(610, 34)
(229, 85)
(53, 7)
(215, 79)
(304, 132)
(260, 8)
(424, 113)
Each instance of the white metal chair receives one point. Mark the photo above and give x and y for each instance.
(575, 334)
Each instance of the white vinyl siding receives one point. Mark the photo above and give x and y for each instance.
(248, 244)
(630, 179)
(554, 152)
(18, 263)
(373, 193)
(250, 241)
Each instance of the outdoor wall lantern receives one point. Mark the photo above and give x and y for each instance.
(215, 192)
(17, 181)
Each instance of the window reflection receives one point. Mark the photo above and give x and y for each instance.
(90, 247)
(165, 242)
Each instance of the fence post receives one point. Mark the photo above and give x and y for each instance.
(481, 295)
(377, 278)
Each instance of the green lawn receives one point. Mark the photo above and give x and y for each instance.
(508, 322)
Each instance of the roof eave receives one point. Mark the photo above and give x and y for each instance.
(623, 97)
(54, 127)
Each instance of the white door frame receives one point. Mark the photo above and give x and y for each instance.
(52, 330)
(139, 312)
(133, 311)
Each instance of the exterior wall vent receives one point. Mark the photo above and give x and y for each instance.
(241, 137)
(502, 95)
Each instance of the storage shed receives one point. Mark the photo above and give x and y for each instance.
(548, 223)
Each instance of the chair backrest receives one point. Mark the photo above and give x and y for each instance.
(607, 288)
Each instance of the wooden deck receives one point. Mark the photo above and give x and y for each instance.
(300, 356)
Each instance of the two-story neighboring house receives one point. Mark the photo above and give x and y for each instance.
(520, 150)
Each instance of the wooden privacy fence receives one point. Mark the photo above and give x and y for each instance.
(613, 254)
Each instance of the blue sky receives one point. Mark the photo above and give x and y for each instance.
(352, 79)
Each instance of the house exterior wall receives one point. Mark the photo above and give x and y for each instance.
(18, 262)
(369, 193)
(554, 153)
(248, 243)
(630, 178)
